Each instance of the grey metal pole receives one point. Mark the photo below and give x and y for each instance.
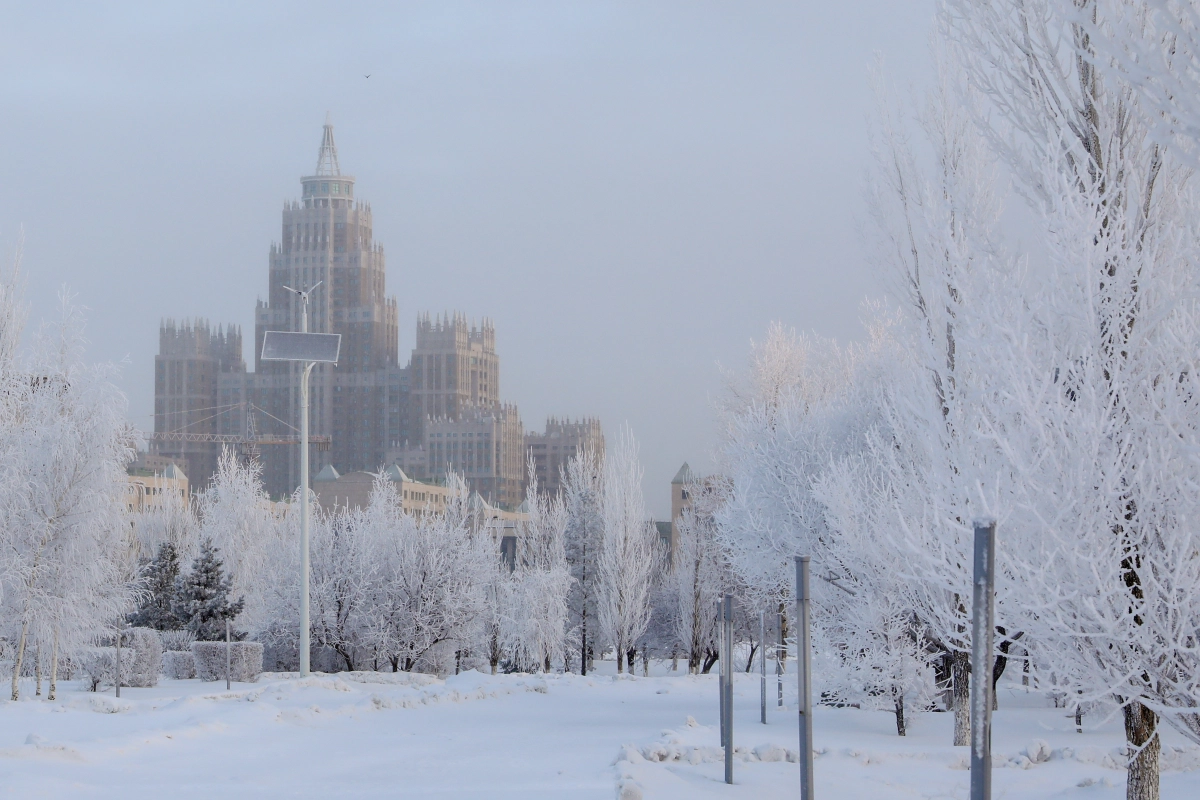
(117, 680)
(228, 657)
(804, 678)
(722, 659)
(304, 565)
(762, 664)
(982, 635)
(727, 635)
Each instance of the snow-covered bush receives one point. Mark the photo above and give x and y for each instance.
(141, 660)
(245, 660)
(180, 641)
(145, 656)
(178, 665)
(100, 666)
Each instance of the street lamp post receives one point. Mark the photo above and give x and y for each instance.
(309, 349)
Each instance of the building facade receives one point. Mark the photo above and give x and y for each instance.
(552, 450)
(192, 360)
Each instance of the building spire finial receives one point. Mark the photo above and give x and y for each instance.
(327, 160)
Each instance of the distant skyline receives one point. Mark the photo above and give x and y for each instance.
(631, 191)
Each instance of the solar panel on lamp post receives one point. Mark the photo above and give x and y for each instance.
(309, 349)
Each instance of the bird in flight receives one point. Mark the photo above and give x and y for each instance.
(366, 76)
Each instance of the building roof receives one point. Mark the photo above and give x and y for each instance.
(327, 473)
(396, 475)
(685, 475)
(327, 160)
(174, 472)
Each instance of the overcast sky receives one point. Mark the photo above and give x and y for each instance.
(632, 191)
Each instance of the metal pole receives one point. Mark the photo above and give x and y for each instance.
(982, 634)
(722, 658)
(118, 678)
(228, 657)
(727, 635)
(762, 663)
(804, 678)
(304, 566)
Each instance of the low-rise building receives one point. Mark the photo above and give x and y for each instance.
(148, 490)
(353, 490)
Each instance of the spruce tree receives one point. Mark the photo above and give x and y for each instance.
(160, 576)
(202, 597)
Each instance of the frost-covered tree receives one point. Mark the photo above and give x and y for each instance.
(238, 518)
(344, 579)
(1092, 400)
(1154, 47)
(697, 579)
(170, 520)
(936, 226)
(629, 552)
(582, 493)
(432, 593)
(202, 597)
(533, 598)
(65, 549)
(156, 609)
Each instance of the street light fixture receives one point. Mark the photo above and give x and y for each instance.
(309, 349)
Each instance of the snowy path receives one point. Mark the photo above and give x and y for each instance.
(519, 737)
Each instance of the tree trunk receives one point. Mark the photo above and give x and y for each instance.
(645, 662)
(53, 668)
(944, 677)
(710, 658)
(960, 673)
(750, 660)
(37, 669)
(898, 698)
(16, 676)
(1141, 732)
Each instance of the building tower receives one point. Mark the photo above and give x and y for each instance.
(327, 238)
(191, 360)
(454, 369)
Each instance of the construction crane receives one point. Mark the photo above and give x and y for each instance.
(247, 443)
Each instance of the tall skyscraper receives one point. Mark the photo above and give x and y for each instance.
(441, 412)
(327, 242)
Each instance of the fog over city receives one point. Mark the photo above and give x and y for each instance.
(631, 192)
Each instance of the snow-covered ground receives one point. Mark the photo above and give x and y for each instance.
(520, 736)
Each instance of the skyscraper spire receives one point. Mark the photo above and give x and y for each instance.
(327, 162)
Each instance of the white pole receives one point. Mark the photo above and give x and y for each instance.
(228, 659)
(304, 566)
